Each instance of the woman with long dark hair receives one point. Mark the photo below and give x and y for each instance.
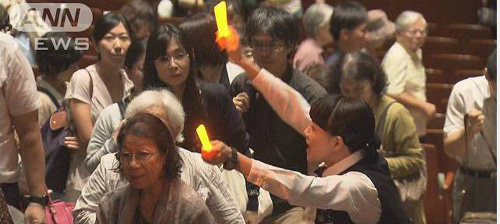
(170, 63)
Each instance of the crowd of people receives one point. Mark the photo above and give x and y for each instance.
(304, 130)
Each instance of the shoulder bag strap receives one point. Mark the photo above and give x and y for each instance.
(48, 93)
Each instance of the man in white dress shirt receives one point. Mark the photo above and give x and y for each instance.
(470, 138)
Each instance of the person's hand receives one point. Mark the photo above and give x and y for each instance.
(242, 102)
(34, 214)
(475, 122)
(430, 110)
(251, 217)
(219, 154)
(72, 142)
(236, 56)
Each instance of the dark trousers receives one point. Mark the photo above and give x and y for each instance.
(12, 195)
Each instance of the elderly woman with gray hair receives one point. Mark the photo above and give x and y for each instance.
(405, 71)
(150, 161)
(206, 180)
(316, 22)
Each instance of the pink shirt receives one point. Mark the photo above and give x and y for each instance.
(309, 52)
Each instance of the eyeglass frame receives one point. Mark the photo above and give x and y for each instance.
(168, 58)
(131, 156)
(413, 32)
(266, 46)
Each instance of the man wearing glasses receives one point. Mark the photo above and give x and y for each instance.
(405, 71)
(273, 34)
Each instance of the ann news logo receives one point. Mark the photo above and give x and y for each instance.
(60, 17)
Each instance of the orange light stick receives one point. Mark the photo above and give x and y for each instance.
(226, 37)
(205, 141)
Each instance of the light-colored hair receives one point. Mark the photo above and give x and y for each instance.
(315, 16)
(407, 18)
(165, 105)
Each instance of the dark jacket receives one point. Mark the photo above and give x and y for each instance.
(273, 141)
(375, 168)
(220, 117)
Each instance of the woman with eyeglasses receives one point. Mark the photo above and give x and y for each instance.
(169, 64)
(405, 70)
(150, 161)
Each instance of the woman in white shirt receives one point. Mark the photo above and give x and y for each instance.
(355, 187)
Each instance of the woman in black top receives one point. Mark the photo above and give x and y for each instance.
(170, 63)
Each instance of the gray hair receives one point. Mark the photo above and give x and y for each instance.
(315, 16)
(407, 18)
(171, 109)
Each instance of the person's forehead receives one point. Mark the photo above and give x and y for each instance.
(118, 29)
(420, 22)
(263, 37)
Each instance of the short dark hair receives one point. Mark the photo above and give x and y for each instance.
(200, 30)
(106, 23)
(492, 66)
(134, 52)
(139, 13)
(347, 15)
(279, 24)
(358, 65)
(52, 61)
(148, 126)
(350, 118)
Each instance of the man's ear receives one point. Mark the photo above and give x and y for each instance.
(344, 34)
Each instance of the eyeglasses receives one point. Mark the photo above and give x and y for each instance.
(414, 32)
(126, 158)
(261, 46)
(177, 57)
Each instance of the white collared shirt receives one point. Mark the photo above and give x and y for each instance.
(352, 192)
(468, 94)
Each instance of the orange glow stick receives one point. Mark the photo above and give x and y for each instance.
(226, 37)
(205, 141)
(220, 11)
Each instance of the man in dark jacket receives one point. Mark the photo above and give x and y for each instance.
(273, 34)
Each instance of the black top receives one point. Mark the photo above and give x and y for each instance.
(273, 141)
(221, 119)
(376, 169)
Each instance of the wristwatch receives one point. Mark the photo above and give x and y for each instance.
(43, 200)
(232, 161)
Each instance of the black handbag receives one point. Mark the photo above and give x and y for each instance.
(57, 156)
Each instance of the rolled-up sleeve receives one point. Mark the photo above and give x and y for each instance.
(352, 192)
(395, 67)
(20, 91)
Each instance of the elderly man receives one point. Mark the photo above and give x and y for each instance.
(316, 22)
(471, 138)
(405, 71)
(203, 178)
